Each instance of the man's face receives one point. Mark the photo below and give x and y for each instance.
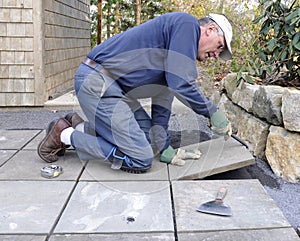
(210, 44)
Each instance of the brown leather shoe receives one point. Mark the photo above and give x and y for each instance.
(74, 119)
(51, 145)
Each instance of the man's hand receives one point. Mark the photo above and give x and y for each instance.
(220, 124)
(178, 157)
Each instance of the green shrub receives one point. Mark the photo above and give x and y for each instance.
(276, 58)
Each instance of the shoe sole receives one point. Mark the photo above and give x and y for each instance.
(134, 170)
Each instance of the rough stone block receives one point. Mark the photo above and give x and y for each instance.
(283, 153)
(254, 131)
(267, 104)
(232, 111)
(291, 109)
(243, 96)
(229, 83)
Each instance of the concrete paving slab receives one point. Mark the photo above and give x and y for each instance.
(31, 207)
(217, 156)
(98, 170)
(67, 101)
(251, 206)
(5, 155)
(243, 235)
(118, 207)
(22, 238)
(15, 139)
(114, 237)
(32, 145)
(26, 165)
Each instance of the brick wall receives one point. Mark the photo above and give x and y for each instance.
(42, 43)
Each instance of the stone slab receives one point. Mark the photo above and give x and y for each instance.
(26, 165)
(217, 156)
(31, 207)
(5, 155)
(22, 238)
(32, 145)
(114, 237)
(66, 101)
(245, 235)
(118, 207)
(252, 208)
(98, 170)
(15, 139)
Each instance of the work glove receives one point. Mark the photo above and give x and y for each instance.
(178, 157)
(220, 124)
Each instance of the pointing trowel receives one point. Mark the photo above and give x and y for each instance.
(216, 206)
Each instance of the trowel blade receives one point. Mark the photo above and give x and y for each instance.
(215, 207)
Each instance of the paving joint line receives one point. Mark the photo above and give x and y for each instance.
(65, 204)
(173, 206)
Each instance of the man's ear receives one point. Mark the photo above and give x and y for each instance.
(211, 28)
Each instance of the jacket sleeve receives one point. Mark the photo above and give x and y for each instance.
(160, 114)
(181, 70)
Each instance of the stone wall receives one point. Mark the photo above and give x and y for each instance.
(42, 42)
(268, 119)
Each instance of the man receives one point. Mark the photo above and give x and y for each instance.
(154, 60)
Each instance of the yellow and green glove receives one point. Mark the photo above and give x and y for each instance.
(178, 157)
(220, 124)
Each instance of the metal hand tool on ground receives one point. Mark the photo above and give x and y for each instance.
(216, 206)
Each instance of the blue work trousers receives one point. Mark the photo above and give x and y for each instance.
(115, 121)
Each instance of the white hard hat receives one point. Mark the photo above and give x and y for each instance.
(224, 24)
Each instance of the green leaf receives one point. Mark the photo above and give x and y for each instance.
(255, 21)
(249, 79)
(283, 54)
(296, 38)
(297, 46)
(271, 44)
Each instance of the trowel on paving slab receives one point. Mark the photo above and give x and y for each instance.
(216, 206)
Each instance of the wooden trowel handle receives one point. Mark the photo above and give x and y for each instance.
(221, 194)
